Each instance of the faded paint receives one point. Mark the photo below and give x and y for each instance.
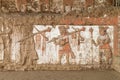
(83, 56)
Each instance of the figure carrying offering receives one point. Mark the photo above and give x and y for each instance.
(105, 52)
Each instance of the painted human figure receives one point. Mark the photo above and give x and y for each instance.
(38, 41)
(41, 38)
(77, 38)
(65, 48)
(105, 52)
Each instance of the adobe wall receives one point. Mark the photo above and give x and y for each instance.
(22, 25)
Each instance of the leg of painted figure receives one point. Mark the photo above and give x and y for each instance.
(23, 59)
(108, 57)
(38, 41)
(73, 42)
(24, 55)
(67, 58)
(38, 46)
(29, 61)
(100, 58)
(72, 54)
(34, 64)
(43, 47)
(78, 44)
(105, 58)
(25, 63)
(59, 58)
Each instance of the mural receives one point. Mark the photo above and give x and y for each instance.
(80, 45)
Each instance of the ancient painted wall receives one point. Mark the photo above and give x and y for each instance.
(29, 33)
(83, 52)
(25, 53)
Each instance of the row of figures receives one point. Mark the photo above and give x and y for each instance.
(69, 44)
(57, 6)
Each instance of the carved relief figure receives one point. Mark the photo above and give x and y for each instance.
(29, 56)
(74, 37)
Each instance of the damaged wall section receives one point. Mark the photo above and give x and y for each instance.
(17, 30)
